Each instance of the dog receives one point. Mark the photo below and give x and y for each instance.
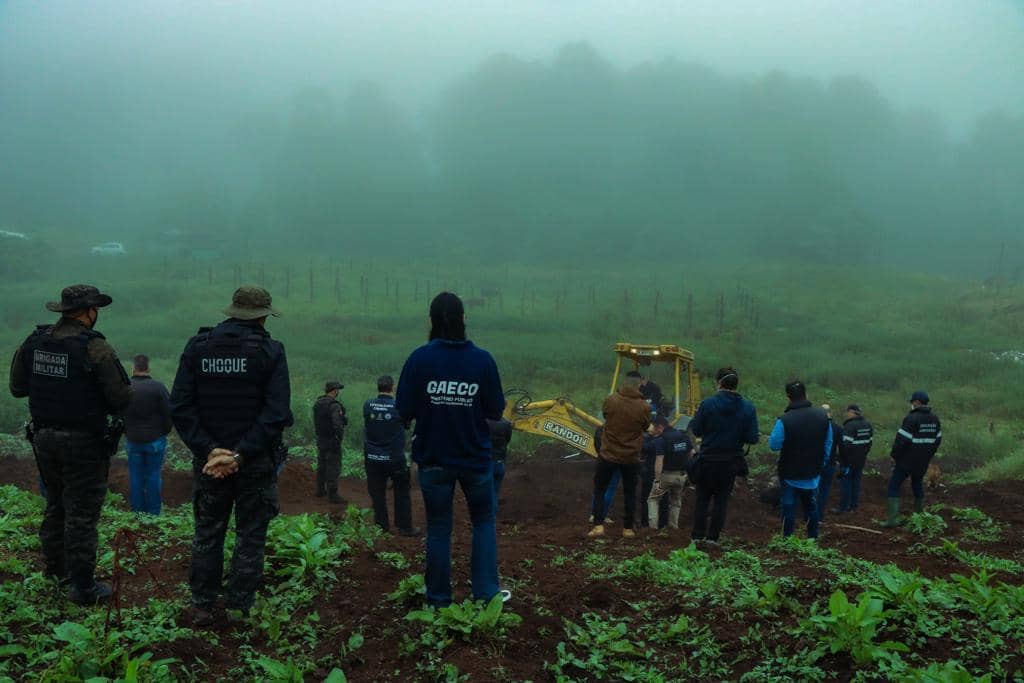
(933, 477)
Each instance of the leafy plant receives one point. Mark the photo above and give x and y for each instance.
(979, 527)
(358, 527)
(302, 549)
(410, 589)
(948, 672)
(469, 618)
(281, 672)
(598, 646)
(392, 559)
(852, 628)
(926, 524)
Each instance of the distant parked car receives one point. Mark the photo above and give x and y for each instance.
(109, 249)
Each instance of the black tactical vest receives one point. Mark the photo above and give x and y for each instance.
(63, 391)
(232, 367)
(677, 447)
(803, 451)
(323, 424)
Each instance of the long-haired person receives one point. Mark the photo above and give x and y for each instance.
(450, 388)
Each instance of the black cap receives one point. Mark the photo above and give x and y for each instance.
(79, 298)
(661, 421)
(919, 395)
(332, 385)
(854, 408)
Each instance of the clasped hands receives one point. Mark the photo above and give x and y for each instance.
(220, 463)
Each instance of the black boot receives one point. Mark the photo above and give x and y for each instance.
(333, 497)
(98, 593)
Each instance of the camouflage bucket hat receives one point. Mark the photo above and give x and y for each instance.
(79, 298)
(250, 303)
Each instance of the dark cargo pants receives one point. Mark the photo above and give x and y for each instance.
(253, 496)
(74, 468)
(377, 475)
(714, 481)
(328, 467)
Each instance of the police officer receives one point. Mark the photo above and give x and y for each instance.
(384, 454)
(916, 442)
(74, 382)
(650, 451)
(670, 474)
(853, 455)
(803, 438)
(230, 404)
(329, 421)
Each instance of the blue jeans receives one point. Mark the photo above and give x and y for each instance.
(807, 497)
(499, 476)
(609, 496)
(899, 475)
(145, 460)
(849, 489)
(824, 488)
(438, 487)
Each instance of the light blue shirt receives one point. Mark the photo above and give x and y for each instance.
(778, 438)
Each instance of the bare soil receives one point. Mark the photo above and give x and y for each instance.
(543, 512)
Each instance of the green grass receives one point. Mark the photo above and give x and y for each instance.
(854, 335)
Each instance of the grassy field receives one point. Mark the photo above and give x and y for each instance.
(852, 334)
(940, 602)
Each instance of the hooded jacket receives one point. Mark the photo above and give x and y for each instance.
(725, 422)
(626, 417)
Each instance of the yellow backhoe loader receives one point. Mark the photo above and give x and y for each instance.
(559, 419)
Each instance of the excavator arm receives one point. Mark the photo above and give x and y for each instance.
(557, 419)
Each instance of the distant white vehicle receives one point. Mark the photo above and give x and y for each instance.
(7, 234)
(109, 249)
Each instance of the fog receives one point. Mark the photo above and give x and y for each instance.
(825, 132)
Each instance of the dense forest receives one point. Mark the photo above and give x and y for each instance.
(572, 158)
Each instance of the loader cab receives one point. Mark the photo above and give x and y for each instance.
(683, 391)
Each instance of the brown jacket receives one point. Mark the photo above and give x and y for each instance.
(626, 416)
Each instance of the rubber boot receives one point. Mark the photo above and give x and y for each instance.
(652, 512)
(893, 509)
(919, 505)
(673, 516)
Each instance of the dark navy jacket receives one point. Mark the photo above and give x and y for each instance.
(725, 422)
(450, 388)
(917, 440)
(676, 446)
(384, 435)
(857, 436)
(649, 452)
